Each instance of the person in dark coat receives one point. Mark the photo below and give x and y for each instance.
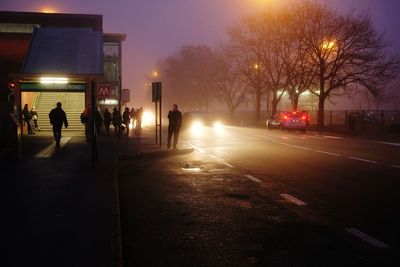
(117, 121)
(126, 118)
(57, 119)
(139, 117)
(107, 120)
(27, 118)
(174, 126)
(86, 118)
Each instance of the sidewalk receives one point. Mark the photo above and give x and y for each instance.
(58, 209)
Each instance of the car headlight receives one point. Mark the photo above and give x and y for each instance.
(218, 127)
(197, 127)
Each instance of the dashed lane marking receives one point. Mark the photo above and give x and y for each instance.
(316, 137)
(367, 238)
(332, 137)
(51, 149)
(388, 143)
(197, 148)
(293, 200)
(293, 146)
(395, 166)
(227, 164)
(364, 160)
(252, 178)
(328, 153)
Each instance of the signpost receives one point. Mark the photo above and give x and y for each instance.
(156, 97)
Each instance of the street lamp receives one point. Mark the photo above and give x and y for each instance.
(328, 44)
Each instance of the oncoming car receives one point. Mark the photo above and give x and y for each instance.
(196, 121)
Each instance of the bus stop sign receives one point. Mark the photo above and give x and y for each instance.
(156, 91)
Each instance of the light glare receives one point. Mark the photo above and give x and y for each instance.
(53, 80)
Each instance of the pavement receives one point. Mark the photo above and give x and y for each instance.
(138, 207)
(59, 210)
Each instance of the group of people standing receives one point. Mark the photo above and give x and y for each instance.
(120, 121)
(30, 117)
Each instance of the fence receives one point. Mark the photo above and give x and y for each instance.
(360, 120)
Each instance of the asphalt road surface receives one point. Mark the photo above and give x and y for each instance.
(254, 197)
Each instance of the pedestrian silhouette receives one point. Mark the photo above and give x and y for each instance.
(126, 118)
(27, 118)
(107, 120)
(57, 119)
(139, 117)
(35, 117)
(174, 126)
(117, 121)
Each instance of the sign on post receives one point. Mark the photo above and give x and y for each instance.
(103, 90)
(156, 91)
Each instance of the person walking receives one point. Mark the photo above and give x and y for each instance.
(126, 118)
(35, 117)
(139, 117)
(57, 119)
(86, 118)
(133, 117)
(174, 126)
(107, 120)
(27, 118)
(117, 120)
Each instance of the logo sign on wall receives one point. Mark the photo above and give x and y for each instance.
(103, 90)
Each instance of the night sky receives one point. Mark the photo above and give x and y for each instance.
(157, 28)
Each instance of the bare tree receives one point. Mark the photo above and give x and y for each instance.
(230, 88)
(245, 50)
(189, 76)
(347, 51)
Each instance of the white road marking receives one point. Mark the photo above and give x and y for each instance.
(252, 178)
(316, 137)
(293, 200)
(328, 153)
(227, 164)
(213, 156)
(332, 137)
(293, 146)
(395, 166)
(388, 143)
(367, 238)
(197, 148)
(51, 149)
(364, 160)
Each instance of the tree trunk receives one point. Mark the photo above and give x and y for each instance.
(274, 104)
(258, 105)
(321, 111)
(295, 102)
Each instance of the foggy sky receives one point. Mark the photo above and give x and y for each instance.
(157, 28)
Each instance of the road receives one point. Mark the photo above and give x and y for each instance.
(337, 193)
